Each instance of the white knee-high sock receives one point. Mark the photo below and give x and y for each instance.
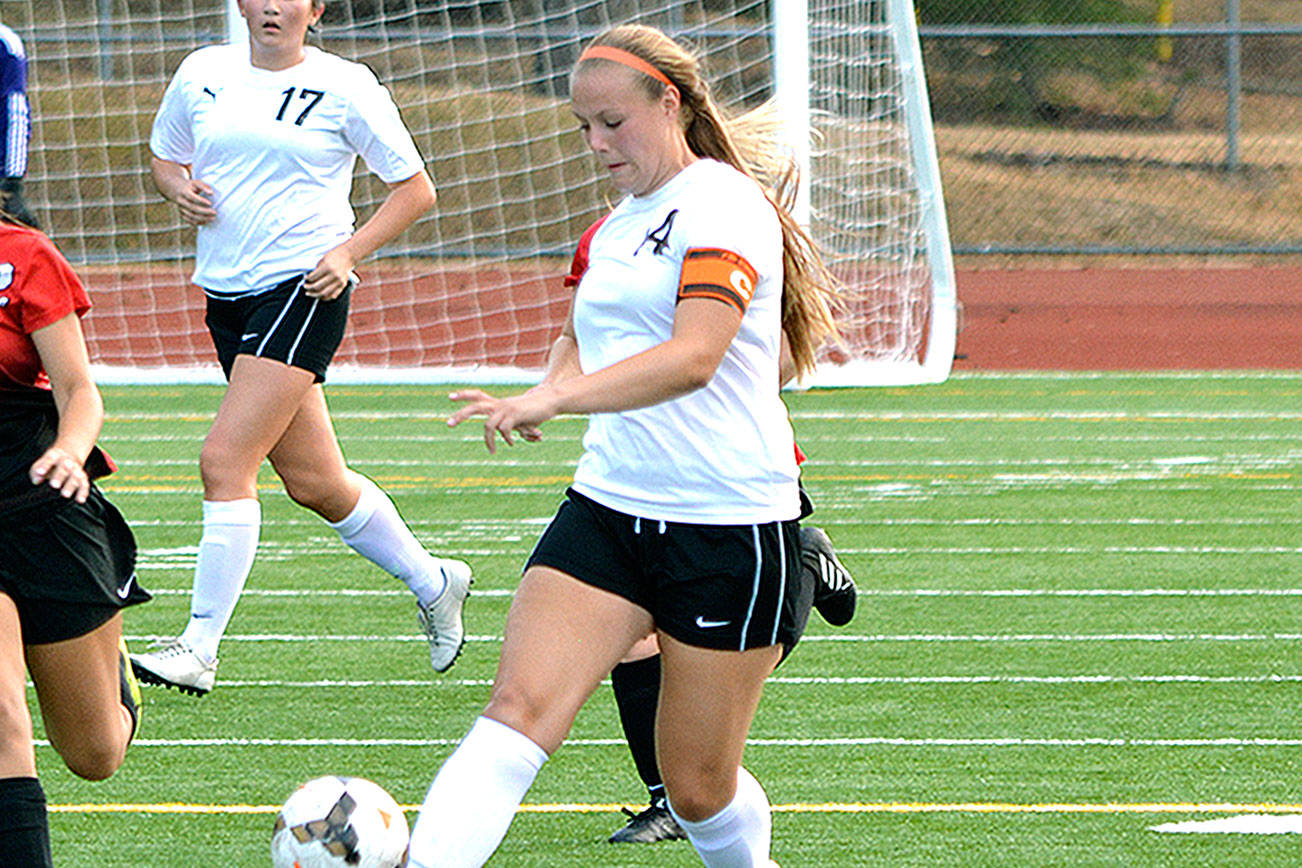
(474, 797)
(740, 834)
(376, 531)
(226, 550)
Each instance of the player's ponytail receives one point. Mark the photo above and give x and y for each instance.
(748, 143)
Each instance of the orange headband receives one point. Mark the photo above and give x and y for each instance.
(625, 58)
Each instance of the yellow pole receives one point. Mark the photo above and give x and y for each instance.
(1165, 18)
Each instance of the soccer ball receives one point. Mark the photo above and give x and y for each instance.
(338, 822)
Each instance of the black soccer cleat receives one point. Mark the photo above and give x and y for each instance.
(653, 824)
(129, 688)
(835, 593)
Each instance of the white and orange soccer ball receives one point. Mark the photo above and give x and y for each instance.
(340, 822)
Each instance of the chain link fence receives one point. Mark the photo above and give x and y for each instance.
(1099, 126)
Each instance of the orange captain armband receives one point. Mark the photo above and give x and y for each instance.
(709, 272)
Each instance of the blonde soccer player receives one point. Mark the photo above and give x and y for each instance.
(256, 144)
(822, 583)
(681, 519)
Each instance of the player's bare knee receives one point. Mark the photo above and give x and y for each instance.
(218, 465)
(325, 494)
(694, 804)
(526, 711)
(305, 492)
(94, 760)
(699, 792)
(16, 724)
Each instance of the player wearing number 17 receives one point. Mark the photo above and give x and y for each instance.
(256, 145)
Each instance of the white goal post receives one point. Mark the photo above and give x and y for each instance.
(473, 291)
(849, 76)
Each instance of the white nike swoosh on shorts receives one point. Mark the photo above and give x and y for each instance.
(705, 625)
(248, 337)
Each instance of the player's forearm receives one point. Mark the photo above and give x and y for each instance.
(406, 203)
(81, 416)
(661, 373)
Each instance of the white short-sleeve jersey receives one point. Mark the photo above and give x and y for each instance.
(278, 147)
(722, 454)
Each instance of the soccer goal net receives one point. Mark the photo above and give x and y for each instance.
(474, 290)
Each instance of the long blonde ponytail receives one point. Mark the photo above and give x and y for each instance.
(748, 143)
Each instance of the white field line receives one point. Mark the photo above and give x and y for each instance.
(795, 808)
(863, 592)
(1082, 592)
(1026, 437)
(793, 681)
(840, 637)
(798, 681)
(1219, 463)
(1046, 415)
(484, 525)
(872, 487)
(1243, 824)
(804, 437)
(1060, 637)
(182, 557)
(1074, 550)
(856, 741)
(1122, 375)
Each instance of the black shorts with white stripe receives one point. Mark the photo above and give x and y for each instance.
(728, 587)
(282, 323)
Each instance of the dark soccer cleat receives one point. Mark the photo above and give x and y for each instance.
(834, 590)
(653, 824)
(130, 688)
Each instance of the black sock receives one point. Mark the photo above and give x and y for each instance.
(24, 829)
(637, 693)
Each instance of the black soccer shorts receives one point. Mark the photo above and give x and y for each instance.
(728, 587)
(67, 566)
(282, 324)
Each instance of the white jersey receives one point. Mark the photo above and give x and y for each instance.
(723, 454)
(278, 147)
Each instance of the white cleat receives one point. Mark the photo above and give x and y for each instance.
(440, 620)
(177, 665)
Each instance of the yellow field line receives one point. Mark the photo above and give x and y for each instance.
(797, 808)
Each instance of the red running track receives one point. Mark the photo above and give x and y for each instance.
(1088, 319)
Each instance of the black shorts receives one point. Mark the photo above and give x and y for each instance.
(67, 566)
(729, 587)
(282, 324)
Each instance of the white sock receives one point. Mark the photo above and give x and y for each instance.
(376, 531)
(226, 550)
(739, 835)
(474, 797)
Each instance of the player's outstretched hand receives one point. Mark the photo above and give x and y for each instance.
(521, 414)
(63, 472)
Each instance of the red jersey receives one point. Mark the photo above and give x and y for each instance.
(37, 288)
(580, 262)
